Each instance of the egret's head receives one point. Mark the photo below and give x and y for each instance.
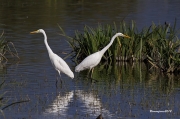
(38, 31)
(120, 34)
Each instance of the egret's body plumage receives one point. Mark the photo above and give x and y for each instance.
(89, 62)
(93, 60)
(59, 64)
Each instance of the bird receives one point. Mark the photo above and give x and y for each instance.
(59, 64)
(93, 60)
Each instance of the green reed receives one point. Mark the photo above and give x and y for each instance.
(162, 47)
(157, 44)
(93, 40)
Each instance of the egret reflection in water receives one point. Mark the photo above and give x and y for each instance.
(76, 103)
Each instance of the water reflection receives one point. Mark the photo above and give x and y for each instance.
(132, 94)
(60, 105)
(120, 91)
(77, 104)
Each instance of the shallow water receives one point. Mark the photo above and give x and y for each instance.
(119, 91)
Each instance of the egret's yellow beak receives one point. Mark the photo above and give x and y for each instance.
(126, 36)
(34, 31)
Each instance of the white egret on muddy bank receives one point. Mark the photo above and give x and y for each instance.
(59, 64)
(93, 60)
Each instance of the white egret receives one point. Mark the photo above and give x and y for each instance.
(92, 60)
(59, 64)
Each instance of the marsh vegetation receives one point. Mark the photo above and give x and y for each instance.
(157, 45)
(7, 49)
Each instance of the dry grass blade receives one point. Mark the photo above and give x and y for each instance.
(12, 53)
(2, 113)
(5, 48)
(15, 103)
(4, 57)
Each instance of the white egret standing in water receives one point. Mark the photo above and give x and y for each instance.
(92, 60)
(59, 64)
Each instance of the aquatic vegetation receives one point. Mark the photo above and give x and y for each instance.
(157, 44)
(162, 47)
(5, 102)
(6, 47)
(92, 40)
(2, 102)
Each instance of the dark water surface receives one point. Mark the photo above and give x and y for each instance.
(122, 91)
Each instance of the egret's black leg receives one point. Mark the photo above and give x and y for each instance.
(88, 72)
(56, 81)
(60, 80)
(92, 72)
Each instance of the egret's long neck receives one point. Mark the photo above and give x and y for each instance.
(46, 43)
(105, 48)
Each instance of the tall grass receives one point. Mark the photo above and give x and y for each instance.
(93, 40)
(157, 44)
